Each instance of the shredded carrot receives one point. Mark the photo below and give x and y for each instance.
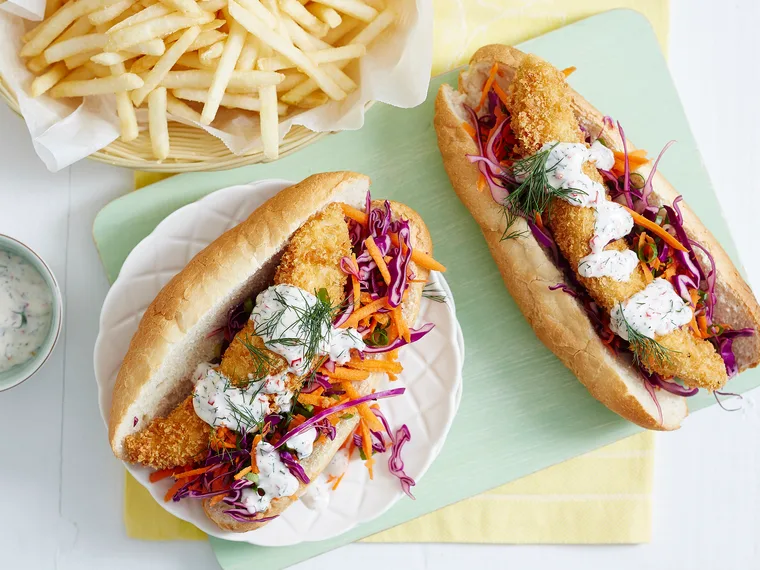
(173, 490)
(342, 373)
(487, 86)
(313, 400)
(375, 365)
(356, 215)
(470, 129)
(256, 440)
(693, 325)
(194, 472)
(568, 71)
(669, 272)
(367, 446)
(481, 183)
(636, 159)
(374, 251)
(215, 500)
(392, 354)
(403, 329)
(539, 221)
(655, 229)
(242, 473)
(365, 311)
(338, 480)
(501, 95)
(647, 272)
(162, 474)
(297, 420)
(422, 259)
(364, 411)
(702, 322)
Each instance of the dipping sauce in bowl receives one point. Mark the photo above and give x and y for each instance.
(30, 312)
(26, 310)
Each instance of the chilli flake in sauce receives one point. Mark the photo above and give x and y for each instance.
(565, 171)
(657, 310)
(25, 310)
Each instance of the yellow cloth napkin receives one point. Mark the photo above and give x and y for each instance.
(601, 497)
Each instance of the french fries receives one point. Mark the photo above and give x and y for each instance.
(184, 59)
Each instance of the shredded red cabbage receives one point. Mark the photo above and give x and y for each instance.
(326, 428)
(395, 463)
(724, 345)
(335, 409)
(294, 467)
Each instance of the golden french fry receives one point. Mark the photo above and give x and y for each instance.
(158, 125)
(270, 135)
(181, 110)
(164, 65)
(206, 39)
(188, 7)
(54, 26)
(259, 11)
(143, 64)
(68, 48)
(209, 55)
(109, 13)
(249, 54)
(347, 26)
(305, 18)
(247, 102)
(328, 15)
(81, 73)
(378, 5)
(80, 59)
(212, 5)
(313, 100)
(375, 28)
(151, 47)
(80, 27)
(152, 29)
(48, 79)
(192, 61)
(355, 8)
(111, 57)
(99, 86)
(97, 69)
(125, 110)
(51, 7)
(278, 43)
(226, 66)
(327, 55)
(149, 13)
(246, 81)
(292, 78)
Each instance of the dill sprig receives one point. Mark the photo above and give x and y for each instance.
(310, 328)
(240, 415)
(429, 291)
(533, 195)
(262, 360)
(645, 350)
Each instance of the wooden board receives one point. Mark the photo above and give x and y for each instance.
(521, 410)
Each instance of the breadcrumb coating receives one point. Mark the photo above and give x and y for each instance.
(311, 261)
(542, 112)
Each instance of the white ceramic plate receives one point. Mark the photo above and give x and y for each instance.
(432, 373)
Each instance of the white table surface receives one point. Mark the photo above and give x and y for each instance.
(62, 489)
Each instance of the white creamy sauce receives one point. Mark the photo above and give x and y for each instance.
(279, 319)
(25, 310)
(338, 464)
(217, 402)
(657, 310)
(609, 263)
(317, 495)
(275, 480)
(303, 443)
(565, 171)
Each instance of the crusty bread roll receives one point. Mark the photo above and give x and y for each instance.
(172, 337)
(558, 320)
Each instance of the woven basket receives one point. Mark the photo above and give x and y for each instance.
(192, 149)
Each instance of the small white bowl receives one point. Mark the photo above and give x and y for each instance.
(16, 375)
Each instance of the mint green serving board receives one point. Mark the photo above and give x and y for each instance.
(521, 410)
